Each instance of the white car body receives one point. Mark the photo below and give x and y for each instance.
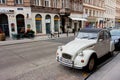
(77, 53)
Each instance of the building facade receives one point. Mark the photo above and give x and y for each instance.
(110, 12)
(93, 12)
(14, 15)
(71, 13)
(45, 16)
(117, 16)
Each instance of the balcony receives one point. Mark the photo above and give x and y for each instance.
(44, 9)
(65, 11)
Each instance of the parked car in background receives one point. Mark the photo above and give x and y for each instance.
(115, 37)
(85, 49)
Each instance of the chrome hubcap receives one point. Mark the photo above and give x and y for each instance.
(91, 64)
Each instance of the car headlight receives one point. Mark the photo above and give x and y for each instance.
(60, 48)
(80, 53)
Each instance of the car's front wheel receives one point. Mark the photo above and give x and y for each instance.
(91, 64)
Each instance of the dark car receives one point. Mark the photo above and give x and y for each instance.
(115, 36)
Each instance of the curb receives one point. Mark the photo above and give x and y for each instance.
(12, 42)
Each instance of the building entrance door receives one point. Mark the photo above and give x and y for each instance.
(4, 24)
(48, 28)
(48, 24)
(20, 22)
(75, 26)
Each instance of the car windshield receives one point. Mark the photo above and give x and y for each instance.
(115, 32)
(85, 35)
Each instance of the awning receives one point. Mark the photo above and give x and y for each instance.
(92, 19)
(77, 18)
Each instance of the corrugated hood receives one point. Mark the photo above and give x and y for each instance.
(77, 44)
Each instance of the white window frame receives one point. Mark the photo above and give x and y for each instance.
(19, 1)
(38, 2)
(55, 3)
(63, 3)
(47, 3)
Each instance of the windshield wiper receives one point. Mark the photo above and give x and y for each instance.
(93, 38)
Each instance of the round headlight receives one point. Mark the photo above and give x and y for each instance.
(60, 48)
(81, 54)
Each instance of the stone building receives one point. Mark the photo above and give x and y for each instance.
(94, 12)
(45, 16)
(14, 15)
(71, 13)
(110, 12)
(117, 16)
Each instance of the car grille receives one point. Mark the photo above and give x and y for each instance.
(66, 56)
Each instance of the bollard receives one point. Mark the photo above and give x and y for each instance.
(74, 33)
(58, 34)
(67, 33)
(51, 35)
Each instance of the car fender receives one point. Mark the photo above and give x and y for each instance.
(86, 56)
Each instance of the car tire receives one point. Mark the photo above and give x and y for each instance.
(91, 64)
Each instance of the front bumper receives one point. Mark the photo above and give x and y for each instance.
(71, 64)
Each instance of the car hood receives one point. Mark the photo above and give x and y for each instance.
(74, 46)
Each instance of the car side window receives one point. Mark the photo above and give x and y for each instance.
(101, 36)
(106, 35)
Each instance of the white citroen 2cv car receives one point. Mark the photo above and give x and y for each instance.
(85, 49)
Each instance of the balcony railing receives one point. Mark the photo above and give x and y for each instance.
(44, 9)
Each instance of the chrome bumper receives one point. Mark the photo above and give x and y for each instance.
(68, 64)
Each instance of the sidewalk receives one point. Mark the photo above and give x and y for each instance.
(110, 71)
(37, 38)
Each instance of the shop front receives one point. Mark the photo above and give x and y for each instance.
(45, 23)
(91, 22)
(38, 23)
(13, 19)
(20, 23)
(117, 23)
(110, 22)
(4, 26)
(77, 21)
(56, 23)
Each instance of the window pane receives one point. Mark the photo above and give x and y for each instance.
(3, 1)
(16, 1)
(20, 2)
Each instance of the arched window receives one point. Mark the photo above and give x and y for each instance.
(20, 22)
(48, 23)
(56, 23)
(4, 24)
(38, 21)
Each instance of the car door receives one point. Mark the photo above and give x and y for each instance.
(99, 47)
(106, 42)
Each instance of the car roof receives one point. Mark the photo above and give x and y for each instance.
(91, 30)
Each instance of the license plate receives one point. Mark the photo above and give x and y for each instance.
(66, 60)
